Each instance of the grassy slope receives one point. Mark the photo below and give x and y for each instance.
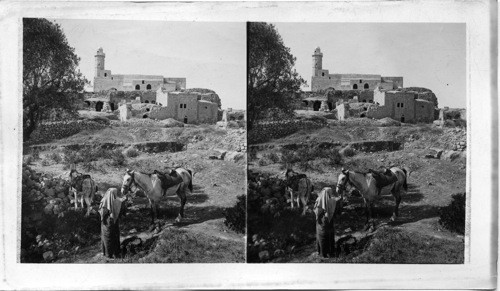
(431, 184)
(216, 186)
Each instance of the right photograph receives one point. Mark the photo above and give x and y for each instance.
(357, 143)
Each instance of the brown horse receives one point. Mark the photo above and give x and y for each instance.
(156, 185)
(371, 184)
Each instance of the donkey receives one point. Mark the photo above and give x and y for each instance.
(370, 185)
(156, 185)
(301, 186)
(83, 188)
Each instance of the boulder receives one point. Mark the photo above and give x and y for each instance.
(234, 156)
(264, 255)
(170, 122)
(387, 121)
(48, 209)
(450, 155)
(50, 192)
(62, 254)
(48, 256)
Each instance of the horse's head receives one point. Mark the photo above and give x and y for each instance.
(342, 181)
(73, 175)
(128, 180)
(289, 173)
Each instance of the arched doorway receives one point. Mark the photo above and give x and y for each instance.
(367, 86)
(145, 116)
(98, 106)
(148, 87)
(147, 101)
(137, 87)
(402, 118)
(355, 86)
(112, 106)
(316, 105)
(331, 106)
(185, 119)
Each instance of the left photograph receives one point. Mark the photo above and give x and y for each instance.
(134, 142)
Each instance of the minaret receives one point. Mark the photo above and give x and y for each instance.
(99, 62)
(317, 62)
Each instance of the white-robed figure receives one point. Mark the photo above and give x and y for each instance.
(324, 209)
(110, 210)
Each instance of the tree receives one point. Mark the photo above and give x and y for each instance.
(273, 83)
(52, 85)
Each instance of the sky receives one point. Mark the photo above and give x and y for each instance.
(209, 55)
(430, 55)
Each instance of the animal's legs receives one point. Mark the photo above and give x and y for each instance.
(76, 199)
(304, 203)
(152, 205)
(183, 197)
(397, 201)
(89, 208)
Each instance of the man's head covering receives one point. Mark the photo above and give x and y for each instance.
(325, 202)
(111, 202)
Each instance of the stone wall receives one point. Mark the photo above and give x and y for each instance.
(160, 113)
(207, 112)
(424, 111)
(396, 81)
(61, 129)
(266, 131)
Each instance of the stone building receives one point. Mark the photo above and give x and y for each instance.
(104, 80)
(185, 107)
(322, 79)
(402, 106)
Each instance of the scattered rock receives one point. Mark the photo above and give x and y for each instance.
(278, 253)
(450, 155)
(48, 256)
(264, 255)
(62, 254)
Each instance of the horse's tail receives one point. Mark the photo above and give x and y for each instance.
(405, 183)
(190, 186)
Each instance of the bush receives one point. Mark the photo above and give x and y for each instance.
(28, 159)
(263, 162)
(334, 157)
(348, 151)
(87, 155)
(452, 216)
(131, 152)
(55, 157)
(304, 156)
(117, 157)
(45, 162)
(236, 216)
(273, 157)
(288, 157)
(35, 153)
